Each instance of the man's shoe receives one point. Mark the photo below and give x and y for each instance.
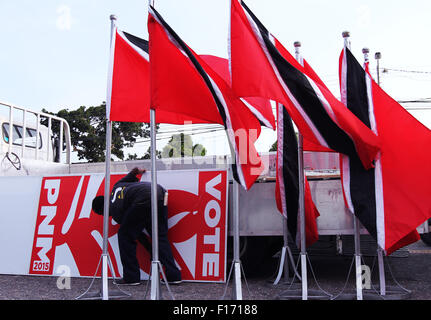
(171, 281)
(122, 282)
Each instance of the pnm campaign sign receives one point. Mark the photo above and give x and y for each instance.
(67, 232)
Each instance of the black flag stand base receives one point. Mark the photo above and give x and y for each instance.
(296, 293)
(98, 294)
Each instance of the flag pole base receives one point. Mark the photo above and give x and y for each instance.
(103, 293)
(237, 270)
(155, 292)
(304, 293)
(368, 291)
(283, 269)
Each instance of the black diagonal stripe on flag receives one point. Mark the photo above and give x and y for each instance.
(305, 94)
(361, 182)
(287, 167)
(140, 43)
(211, 93)
(207, 80)
(129, 92)
(182, 46)
(260, 69)
(287, 183)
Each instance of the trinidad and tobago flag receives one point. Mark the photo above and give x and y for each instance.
(129, 93)
(130, 85)
(260, 69)
(392, 199)
(181, 82)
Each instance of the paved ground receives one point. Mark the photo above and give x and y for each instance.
(412, 270)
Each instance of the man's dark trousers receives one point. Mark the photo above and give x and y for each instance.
(131, 229)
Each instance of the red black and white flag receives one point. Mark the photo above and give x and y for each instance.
(392, 199)
(129, 78)
(129, 92)
(259, 69)
(287, 182)
(181, 82)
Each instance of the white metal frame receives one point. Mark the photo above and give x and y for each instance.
(64, 128)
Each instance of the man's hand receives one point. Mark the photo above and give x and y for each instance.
(137, 171)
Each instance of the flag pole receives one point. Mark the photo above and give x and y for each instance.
(301, 207)
(356, 223)
(105, 257)
(155, 278)
(156, 267)
(382, 278)
(236, 254)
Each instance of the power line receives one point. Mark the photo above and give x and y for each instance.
(385, 70)
(191, 134)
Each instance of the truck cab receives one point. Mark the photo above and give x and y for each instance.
(32, 142)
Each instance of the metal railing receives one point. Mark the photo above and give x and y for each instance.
(64, 129)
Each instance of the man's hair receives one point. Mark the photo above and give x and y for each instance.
(98, 204)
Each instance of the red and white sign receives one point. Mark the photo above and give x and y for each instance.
(68, 233)
(197, 211)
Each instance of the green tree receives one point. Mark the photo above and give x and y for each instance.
(88, 132)
(181, 145)
(273, 147)
(146, 156)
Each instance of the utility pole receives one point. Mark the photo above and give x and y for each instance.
(378, 56)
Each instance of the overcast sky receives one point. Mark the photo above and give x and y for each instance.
(54, 54)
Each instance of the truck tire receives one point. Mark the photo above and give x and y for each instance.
(426, 238)
(257, 258)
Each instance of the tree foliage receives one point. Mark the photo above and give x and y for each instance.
(88, 132)
(273, 147)
(181, 145)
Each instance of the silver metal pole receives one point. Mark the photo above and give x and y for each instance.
(107, 193)
(11, 129)
(301, 207)
(382, 278)
(236, 255)
(356, 223)
(24, 125)
(60, 149)
(48, 141)
(155, 278)
(37, 136)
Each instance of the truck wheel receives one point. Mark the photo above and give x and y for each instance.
(257, 257)
(426, 238)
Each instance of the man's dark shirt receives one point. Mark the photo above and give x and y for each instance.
(129, 192)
